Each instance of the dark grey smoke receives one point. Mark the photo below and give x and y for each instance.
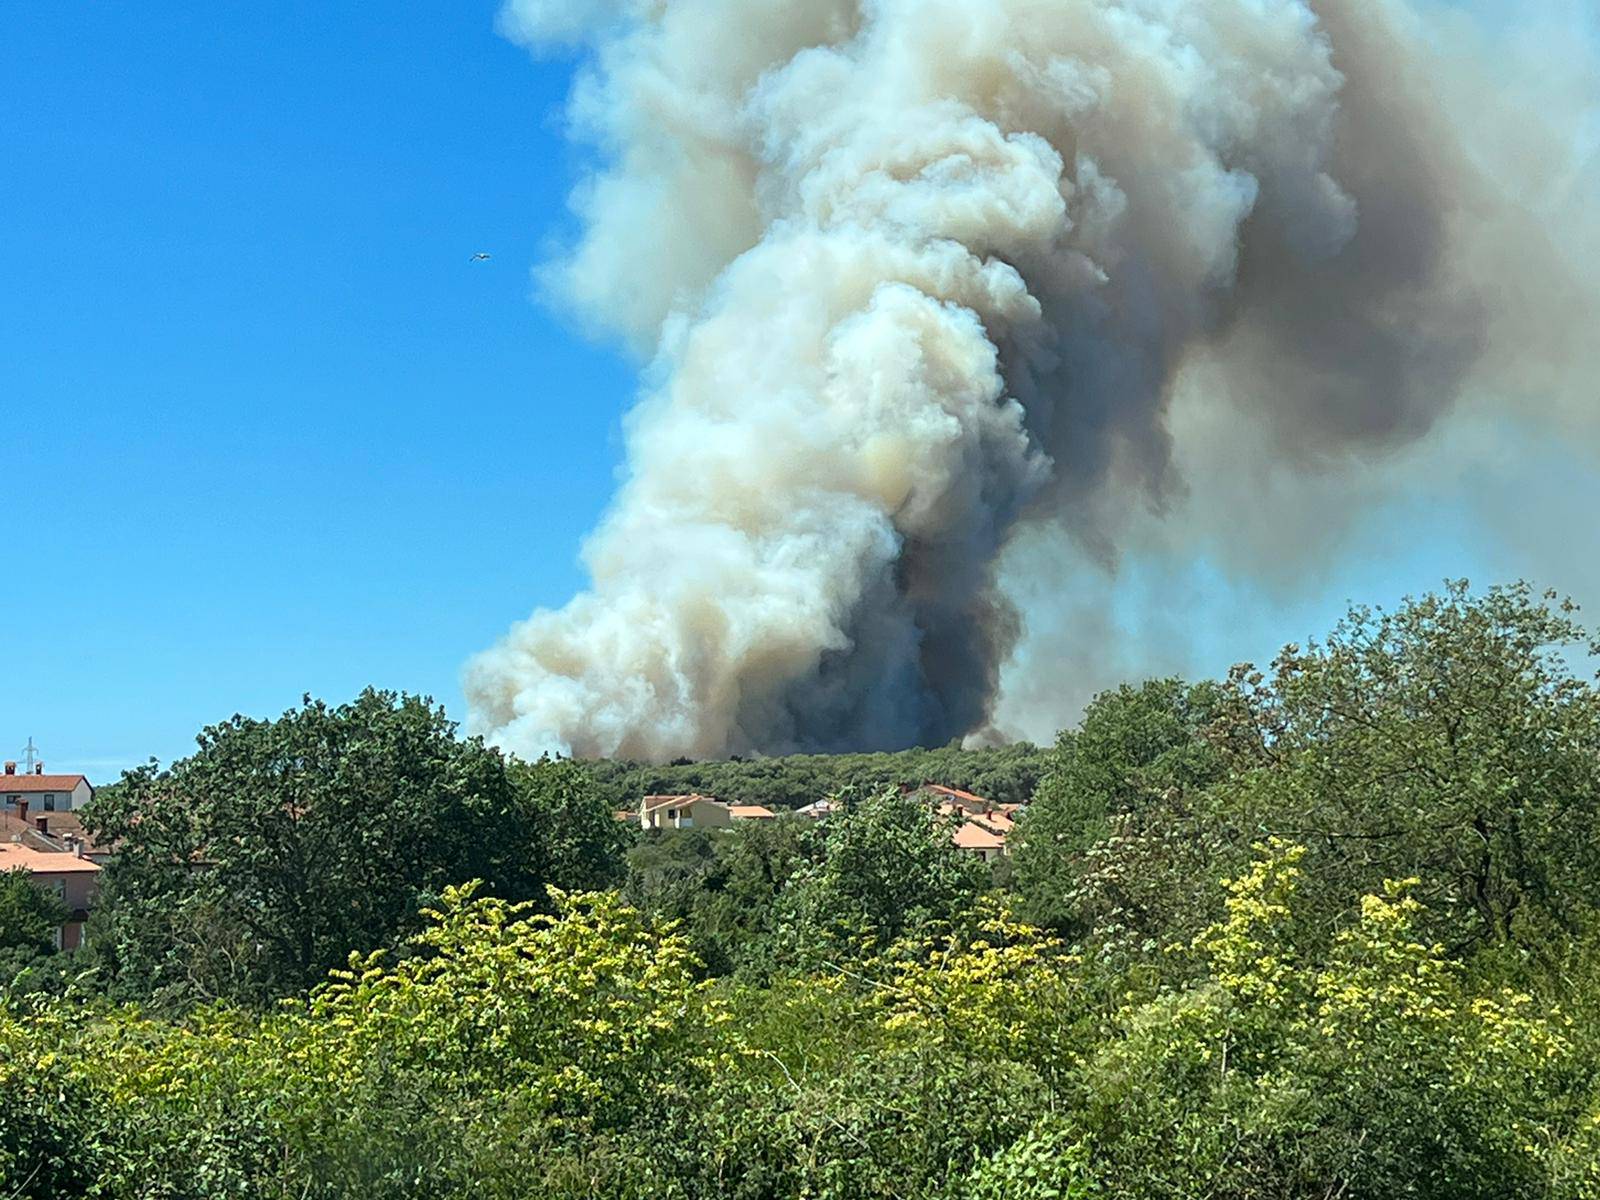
(919, 273)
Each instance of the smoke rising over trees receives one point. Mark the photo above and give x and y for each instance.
(917, 276)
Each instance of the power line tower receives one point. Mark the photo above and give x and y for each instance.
(30, 756)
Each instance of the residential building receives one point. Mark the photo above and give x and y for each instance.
(17, 826)
(683, 812)
(979, 840)
(44, 793)
(71, 878)
(818, 809)
(980, 827)
(67, 829)
(696, 812)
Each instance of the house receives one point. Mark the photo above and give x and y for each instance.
(15, 826)
(697, 812)
(980, 827)
(683, 812)
(818, 809)
(955, 799)
(71, 878)
(66, 829)
(52, 832)
(979, 840)
(44, 793)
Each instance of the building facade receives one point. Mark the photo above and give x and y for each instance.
(683, 812)
(44, 793)
(71, 878)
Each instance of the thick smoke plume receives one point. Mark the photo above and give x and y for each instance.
(919, 274)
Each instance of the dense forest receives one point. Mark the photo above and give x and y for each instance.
(1005, 774)
(1321, 929)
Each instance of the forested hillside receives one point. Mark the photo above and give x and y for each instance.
(1323, 929)
(1006, 774)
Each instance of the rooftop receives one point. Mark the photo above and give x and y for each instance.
(43, 862)
(973, 836)
(15, 784)
(966, 799)
(651, 803)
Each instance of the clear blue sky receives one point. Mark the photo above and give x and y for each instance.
(268, 431)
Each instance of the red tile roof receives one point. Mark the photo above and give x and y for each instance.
(10, 784)
(957, 793)
(973, 836)
(752, 812)
(651, 803)
(26, 832)
(42, 862)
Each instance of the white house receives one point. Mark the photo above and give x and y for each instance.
(44, 793)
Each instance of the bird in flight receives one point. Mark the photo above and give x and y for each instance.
(480, 257)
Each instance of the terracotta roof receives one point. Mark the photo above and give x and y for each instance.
(43, 862)
(967, 800)
(752, 812)
(973, 836)
(26, 833)
(651, 803)
(70, 824)
(61, 822)
(39, 783)
(1001, 822)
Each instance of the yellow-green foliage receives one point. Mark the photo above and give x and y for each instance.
(1378, 1074)
(507, 1053)
(572, 1010)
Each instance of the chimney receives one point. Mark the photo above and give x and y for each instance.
(38, 768)
(11, 768)
(22, 810)
(42, 824)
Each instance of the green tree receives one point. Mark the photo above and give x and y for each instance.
(250, 868)
(723, 885)
(887, 870)
(1293, 1068)
(1137, 748)
(1448, 741)
(29, 914)
(582, 844)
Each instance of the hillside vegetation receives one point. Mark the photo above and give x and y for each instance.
(1327, 929)
(1006, 774)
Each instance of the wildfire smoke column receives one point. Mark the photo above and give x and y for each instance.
(913, 273)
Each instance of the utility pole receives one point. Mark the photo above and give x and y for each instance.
(30, 755)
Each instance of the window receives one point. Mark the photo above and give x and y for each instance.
(672, 814)
(49, 802)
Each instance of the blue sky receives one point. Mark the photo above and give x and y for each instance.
(270, 431)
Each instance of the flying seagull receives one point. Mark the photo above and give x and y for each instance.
(480, 257)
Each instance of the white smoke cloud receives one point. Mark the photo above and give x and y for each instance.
(919, 274)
